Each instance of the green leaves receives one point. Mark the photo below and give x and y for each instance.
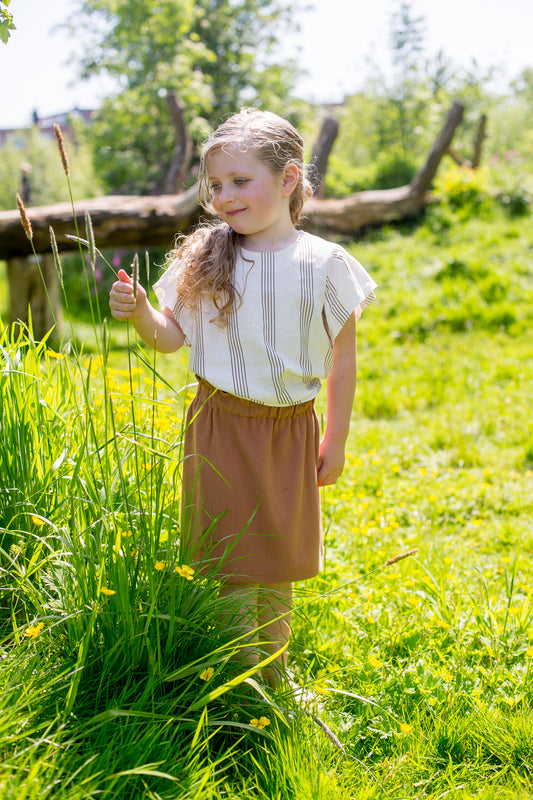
(6, 22)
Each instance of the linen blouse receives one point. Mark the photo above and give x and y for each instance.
(278, 344)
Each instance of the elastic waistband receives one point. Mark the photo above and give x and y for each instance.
(210, 396)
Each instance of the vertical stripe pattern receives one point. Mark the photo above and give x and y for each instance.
(268, 306)
(237, 360)
(306, 308)
(198, 351)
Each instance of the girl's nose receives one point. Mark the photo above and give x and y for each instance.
(226, 193)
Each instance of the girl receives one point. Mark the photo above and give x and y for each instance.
(268, 312)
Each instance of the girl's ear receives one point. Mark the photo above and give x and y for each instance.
(290, 175)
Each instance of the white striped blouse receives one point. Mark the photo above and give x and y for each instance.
(277, 346)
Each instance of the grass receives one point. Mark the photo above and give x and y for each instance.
(118, 679)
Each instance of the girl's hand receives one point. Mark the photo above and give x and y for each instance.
(331, 458)
(122, 302)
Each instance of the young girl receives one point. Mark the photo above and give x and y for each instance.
(268, 311)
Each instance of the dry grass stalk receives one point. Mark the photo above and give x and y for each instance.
(61, 147)
(26, 224)
(90, 238)
(401, 556)
(135, 274)
(56, 256)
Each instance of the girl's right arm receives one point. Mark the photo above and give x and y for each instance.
(160, 330)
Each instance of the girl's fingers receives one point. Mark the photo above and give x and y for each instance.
(123, 276)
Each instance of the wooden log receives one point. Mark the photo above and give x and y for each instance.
(349, 214)
(422, 180)
(120, 221)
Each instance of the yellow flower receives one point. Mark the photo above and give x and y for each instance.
(405, 728)
(159, 565)
(374, 662)
(37, 520)
(260, 723)
(185, 572)
(34, 630)
(529, 652)
(207, 674)
(106, 591)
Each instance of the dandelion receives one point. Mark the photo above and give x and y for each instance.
(185, 572)
(405, 728)
(260, 723)
(61, 148)
(106, 591)
(34, 630)
(159, 565)
(207, 674)
(37, 521)
(529, 652)
(25, 220)
(375, 662)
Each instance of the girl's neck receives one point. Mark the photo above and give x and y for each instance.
(263, 244)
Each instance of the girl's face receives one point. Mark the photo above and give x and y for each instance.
(252, 199)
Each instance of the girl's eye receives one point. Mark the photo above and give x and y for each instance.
(240, 181)
(215, 187)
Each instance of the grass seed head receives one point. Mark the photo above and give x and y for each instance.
(56, 255)
(135, 274)
(26, 224)
(90, 238)
(61, 147)
(401, 556)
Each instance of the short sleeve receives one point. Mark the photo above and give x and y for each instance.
(349, 288)
(167, 295)
(165, 288)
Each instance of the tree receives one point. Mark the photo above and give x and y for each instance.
(216, 54)
(6, 21)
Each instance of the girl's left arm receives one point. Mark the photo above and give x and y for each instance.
(340, 392)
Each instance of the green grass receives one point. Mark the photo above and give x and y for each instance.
(423, 667)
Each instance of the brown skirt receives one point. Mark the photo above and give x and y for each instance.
(250, 501)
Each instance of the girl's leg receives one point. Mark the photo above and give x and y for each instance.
(242, 616)
(274, 607)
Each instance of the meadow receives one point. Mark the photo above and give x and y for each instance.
(416, 642)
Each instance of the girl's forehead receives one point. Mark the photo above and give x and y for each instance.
(230, 157)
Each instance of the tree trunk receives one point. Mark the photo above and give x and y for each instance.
(480, 138)
(182, 155)
(34, 295)
(321, 150)
(422, 180)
